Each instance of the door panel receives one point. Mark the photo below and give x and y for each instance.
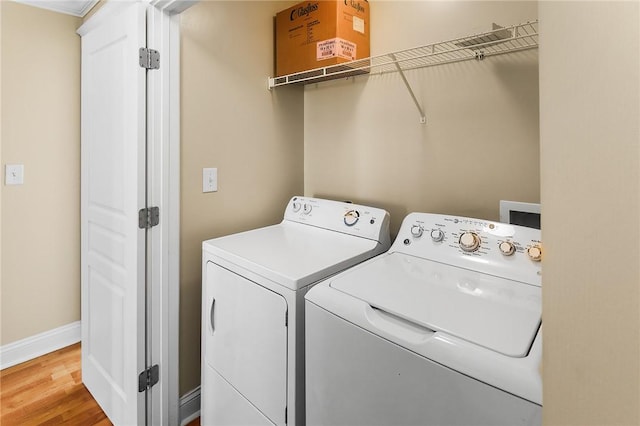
(112, 192)
(106, 298)
(246, 340)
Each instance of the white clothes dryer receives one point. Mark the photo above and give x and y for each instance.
(254, 284)
(443, 329)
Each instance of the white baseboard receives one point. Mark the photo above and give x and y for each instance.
(38, 345)
(190, 406)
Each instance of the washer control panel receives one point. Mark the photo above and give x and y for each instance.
(353, 219)
(508, 251)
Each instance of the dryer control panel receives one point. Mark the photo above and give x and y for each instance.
(340, 216)
(508, 251)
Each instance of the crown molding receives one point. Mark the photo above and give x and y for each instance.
(77, 8)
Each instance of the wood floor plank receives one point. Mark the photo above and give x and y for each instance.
(195, 422)
(48, 391)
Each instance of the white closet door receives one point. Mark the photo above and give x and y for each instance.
(112, 193)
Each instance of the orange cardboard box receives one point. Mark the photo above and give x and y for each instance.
(315, 34)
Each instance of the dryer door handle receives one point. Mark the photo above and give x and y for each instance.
(211, 315)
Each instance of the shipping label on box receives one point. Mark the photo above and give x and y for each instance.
(335, 48)
(358, 24)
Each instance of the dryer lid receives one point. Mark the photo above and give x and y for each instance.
(498, 314)
(291, 254)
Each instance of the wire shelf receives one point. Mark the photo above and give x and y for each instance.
(498, 41)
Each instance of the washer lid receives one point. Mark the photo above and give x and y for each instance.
(492, 312)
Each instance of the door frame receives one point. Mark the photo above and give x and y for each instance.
(163, 138)
(163, 190)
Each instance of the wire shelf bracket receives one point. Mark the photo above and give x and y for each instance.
(423, 117)
(498, 41)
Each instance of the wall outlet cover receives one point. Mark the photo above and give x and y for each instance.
(209, 180)
(14, 174)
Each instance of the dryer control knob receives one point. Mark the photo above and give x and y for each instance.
(535, 253)
(296, 206)
(469, 241)
(437, 235)
(507, 248)
(351, 217)
(306, 209)
(417, 230)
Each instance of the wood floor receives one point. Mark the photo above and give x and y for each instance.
(49, 391)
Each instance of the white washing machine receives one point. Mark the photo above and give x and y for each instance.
(443, 329)
(253, 306)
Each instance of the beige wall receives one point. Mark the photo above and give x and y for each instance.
(364, 141)
(590, 164)
(230, 121)
(40, 81)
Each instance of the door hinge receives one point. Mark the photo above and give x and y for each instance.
(285, 415)
(149, 58)
(148, 378)
(286, 319)
(149, 217)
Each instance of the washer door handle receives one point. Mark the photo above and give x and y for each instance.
(397, 326)
(211, 312)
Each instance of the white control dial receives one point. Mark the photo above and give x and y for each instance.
(417, 230)
(351, 217)
(306, 209)
(437, 235)
(507, 248)
(469, 241)
(535, 253)
(296, 206)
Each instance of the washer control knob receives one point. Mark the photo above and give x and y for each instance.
(469, 241)
(296, 206)
(351, 217)
(535, 253)
(507, 248)
(417, 230)
(437, 235)
(306, 208)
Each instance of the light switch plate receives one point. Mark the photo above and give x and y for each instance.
(209, 180)
(14, 174)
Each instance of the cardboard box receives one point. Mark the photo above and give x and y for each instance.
(315, 34)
